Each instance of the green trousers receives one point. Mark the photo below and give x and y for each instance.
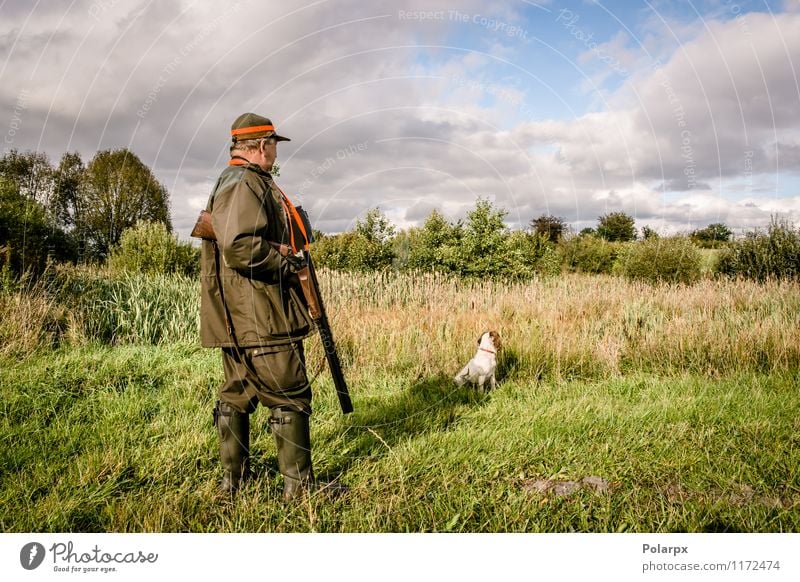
(274, 376)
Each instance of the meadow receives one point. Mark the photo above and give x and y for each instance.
(621, 406)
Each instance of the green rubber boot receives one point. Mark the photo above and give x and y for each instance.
(234, 446)
(293, 441)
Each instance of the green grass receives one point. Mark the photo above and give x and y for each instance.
(101, 438)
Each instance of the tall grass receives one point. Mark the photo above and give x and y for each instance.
(574, 326)
(681, 399)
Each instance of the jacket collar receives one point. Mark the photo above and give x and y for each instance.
(240, 161)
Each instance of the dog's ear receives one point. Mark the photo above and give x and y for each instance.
(498, 343)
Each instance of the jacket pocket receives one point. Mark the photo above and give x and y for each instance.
(284, 316)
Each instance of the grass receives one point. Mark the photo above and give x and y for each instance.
(681, 399)
(120, 439)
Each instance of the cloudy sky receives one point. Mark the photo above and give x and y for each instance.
(679, 113)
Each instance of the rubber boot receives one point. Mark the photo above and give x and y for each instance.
(293, 441)
(234, 446)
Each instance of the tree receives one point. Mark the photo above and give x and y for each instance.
(117, 191)
(27, 233)
(368, 247)
(66, 199)
(616, 226)
(31, 172)
(713, 236)
(649, 233)
(550, 227)
(483, 243)
(434, 245)
(372, 247)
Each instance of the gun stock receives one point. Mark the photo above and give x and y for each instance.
(203, 228)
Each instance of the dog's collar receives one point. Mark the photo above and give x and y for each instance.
(485, 350)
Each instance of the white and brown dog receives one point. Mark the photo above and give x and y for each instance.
(482, 366)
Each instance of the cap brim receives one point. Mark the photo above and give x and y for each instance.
(277, 137)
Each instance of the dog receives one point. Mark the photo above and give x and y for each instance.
(481, 367)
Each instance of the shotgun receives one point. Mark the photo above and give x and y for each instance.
(310, 287)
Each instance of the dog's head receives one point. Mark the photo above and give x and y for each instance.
(491, 337)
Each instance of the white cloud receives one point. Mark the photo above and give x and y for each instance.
(440, 127)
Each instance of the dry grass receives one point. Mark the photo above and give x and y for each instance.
(571, 326)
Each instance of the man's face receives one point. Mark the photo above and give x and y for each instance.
(268, 152)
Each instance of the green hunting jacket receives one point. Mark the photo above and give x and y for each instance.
(263, 298)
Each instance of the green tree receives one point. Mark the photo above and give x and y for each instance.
(523, 255)
(66, 199)
(331, 250)
(616, 226)
(483, 244)
(372, 247)
(31, 172)
(368, 247)
(713, 236)
(435, 245)
(649, 233)
(27, 233)
(550, 227)
(117, 191)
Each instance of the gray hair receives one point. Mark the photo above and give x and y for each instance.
(249, 145)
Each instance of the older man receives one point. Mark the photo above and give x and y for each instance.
(252, 308)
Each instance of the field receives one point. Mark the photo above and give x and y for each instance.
(621, 407)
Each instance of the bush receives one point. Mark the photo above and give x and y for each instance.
(672, 260)
(523, 254)
(713, 236)
(616, 226)
(549, 264)
(29, 237)
(151, 249)
(589, 254)
(759, 256)
(435, 246)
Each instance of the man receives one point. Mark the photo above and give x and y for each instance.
(252, 307)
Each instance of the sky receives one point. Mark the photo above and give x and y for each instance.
(680, 114)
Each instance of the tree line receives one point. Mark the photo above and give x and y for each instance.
(113, 211)
(483, 246)
(73, 211)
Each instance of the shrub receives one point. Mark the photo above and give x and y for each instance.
(523, 254)
(673, 260)
(150, 248)
(648, 233)
(435, 246)
(589, 254)
(483, 246)
(549, 264)
(760, 256)
(616, 226)
(549, 226)
(713, 236)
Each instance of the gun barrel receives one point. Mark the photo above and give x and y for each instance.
(331, 355)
